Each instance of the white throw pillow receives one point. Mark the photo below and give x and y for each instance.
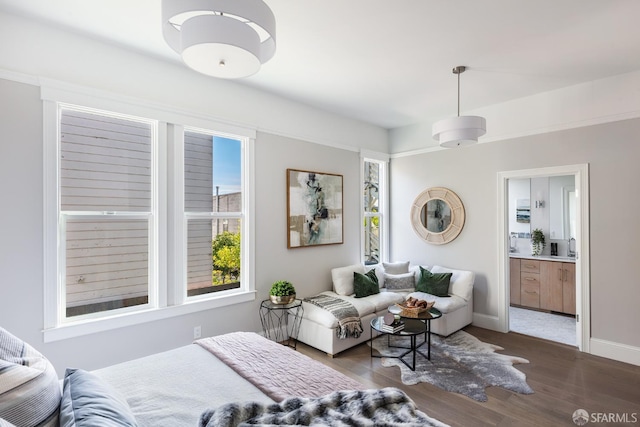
(461, 281)
(342, 278)
(396, 267)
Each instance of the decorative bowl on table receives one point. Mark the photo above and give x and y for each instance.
(416, 309)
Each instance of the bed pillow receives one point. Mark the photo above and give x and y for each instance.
(342, 278)
(88, 401)
(365, 284)
(28, 384)
(400, 282)
(396, 267)
(434, 283)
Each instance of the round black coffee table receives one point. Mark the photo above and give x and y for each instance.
(426, 317)
(412, 328)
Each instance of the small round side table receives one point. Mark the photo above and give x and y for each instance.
(281, 322)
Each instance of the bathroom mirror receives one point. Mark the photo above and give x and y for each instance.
(548, 203)
(562, 206)
(437, 215)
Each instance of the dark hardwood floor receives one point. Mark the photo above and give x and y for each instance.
(563, 379)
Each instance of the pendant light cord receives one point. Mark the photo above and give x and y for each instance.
(458, 93)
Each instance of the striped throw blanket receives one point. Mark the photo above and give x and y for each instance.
(349, 324)
(385, 407)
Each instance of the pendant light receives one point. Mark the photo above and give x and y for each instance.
(461, 130)
(220, 38)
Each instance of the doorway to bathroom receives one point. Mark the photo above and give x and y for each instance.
(544, 288)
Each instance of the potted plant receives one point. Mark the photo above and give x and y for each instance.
(282, 292)
(537, 242)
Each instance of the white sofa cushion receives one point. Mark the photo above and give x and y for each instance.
(444, 304)
(342, 278)
(461, 281)
(384, 299)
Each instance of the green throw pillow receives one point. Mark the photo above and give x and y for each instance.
(434, 283)
(365, 284)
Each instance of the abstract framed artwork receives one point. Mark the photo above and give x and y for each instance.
(314, 209)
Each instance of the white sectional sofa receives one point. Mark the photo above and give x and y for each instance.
(318, 327)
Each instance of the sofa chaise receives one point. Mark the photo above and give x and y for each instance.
(397, 281)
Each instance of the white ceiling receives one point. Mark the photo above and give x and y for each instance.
(389, 62)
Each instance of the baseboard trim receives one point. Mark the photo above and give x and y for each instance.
(616, 351)
(486, 321)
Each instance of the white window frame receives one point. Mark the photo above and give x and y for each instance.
(167, 293)
(383, 202)
(179, 296)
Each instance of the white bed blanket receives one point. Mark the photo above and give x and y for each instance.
(172, 388)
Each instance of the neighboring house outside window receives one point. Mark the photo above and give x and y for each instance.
(374, 208)
(107, 210)
(213, 210)
(142, 216)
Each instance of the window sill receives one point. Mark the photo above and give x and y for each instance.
(76, 329)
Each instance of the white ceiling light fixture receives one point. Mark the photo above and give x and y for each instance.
(220, 38)
(461, 130)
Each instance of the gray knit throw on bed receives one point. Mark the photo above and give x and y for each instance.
(349, 324)
(385, 407)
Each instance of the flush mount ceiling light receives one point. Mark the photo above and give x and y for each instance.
(220, 38)
(461, 130)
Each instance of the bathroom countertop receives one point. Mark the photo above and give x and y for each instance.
(542, 257)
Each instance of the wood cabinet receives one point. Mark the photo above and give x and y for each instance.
(514, 280)
(547, 285)
(530, 283)
(569, 288)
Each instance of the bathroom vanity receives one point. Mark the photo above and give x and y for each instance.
(543, 282)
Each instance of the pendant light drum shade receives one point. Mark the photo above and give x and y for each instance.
(459, 131)
(220, 38)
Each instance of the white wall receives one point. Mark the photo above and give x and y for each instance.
(38, 53)
(21, 231)
(43, 52)
(611, 150)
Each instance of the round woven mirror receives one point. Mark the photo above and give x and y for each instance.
(437, 215)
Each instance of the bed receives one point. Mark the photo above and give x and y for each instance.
(218, 381)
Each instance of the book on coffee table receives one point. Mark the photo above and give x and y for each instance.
(394, 327)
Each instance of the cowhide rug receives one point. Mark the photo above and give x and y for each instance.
(460, 363)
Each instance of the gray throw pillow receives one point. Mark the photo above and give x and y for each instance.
(400, 282)
(88, 401)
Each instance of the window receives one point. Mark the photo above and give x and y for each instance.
(213, 211)
(374, 186)
(147, 215)
(107, 210)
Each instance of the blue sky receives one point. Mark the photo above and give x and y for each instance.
(226, 164)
